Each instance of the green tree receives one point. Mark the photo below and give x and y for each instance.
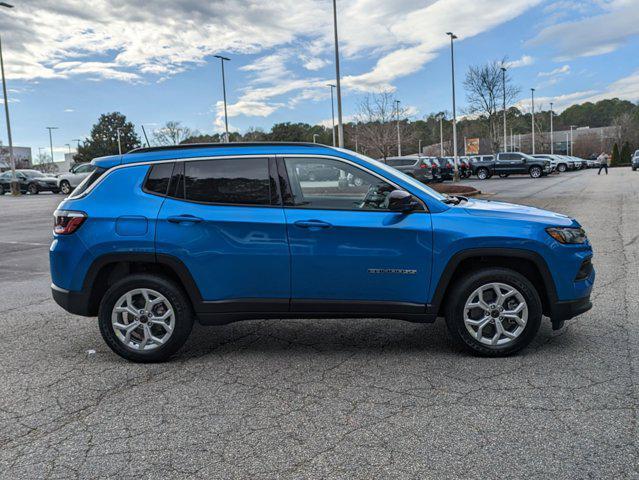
(626, 154)
(615, 160)
(103, 139)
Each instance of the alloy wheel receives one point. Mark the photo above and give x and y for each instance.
(495, 314)
(65, 187)
(143, 319)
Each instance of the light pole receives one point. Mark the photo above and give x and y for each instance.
(452, 66)
(226, 117)
(68, 145)
(441, 135)
(420, 148)
(571, 127)
(532, 91)
(332, 112)
(315, 135)
(399, 138)
(15, 187)
(552, 135)
(119, 141)
(51, 140)
(340, 126)
(503, 87)
(78, 140)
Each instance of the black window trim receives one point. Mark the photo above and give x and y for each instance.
(286, 191)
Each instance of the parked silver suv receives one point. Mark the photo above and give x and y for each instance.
(68, 181)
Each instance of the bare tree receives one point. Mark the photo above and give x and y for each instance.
(172, 133)
(626, 130)
(377, 125)
(484, 86)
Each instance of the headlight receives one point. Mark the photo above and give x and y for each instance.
(567, 234)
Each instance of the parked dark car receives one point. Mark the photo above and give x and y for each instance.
(509, 163)
(413, 165)
(635, 161)
(31, 181)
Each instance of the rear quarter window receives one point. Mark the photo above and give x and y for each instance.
(87, 182)
(158, 179)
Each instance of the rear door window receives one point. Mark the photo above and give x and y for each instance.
(233, 181)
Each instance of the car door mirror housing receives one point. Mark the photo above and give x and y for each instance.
(401, 201)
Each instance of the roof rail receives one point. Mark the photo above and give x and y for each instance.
(186, 146)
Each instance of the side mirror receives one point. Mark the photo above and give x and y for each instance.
(401, 201)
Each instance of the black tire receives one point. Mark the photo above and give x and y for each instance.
(178, 300)
(2, 190)
(33, 189)
(65, 187)
(483, 173)
(464, 287)
(561, 167)
(535, 172)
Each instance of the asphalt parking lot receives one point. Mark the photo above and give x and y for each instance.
(332, 398)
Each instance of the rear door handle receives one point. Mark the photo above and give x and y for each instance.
(184, 219)
(312, 224)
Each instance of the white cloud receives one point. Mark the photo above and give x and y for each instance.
(563, 70)
(596, 34)
(69, 110)
(524, 61)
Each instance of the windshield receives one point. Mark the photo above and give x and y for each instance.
(418, 185)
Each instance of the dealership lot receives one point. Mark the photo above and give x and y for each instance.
(332, 398)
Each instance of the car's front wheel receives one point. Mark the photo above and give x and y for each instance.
(561, 167)
(145, 318)
(535, 172)
(33, 189)
(493, 312)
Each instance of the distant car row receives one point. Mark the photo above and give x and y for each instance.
(438, 169)
(34, 181)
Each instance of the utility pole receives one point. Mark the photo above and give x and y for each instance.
(452, 66)
(532, 91)
(399, 138)
(356, 139)
(332, 112)
(571, 127)
(226, 117)
(420, 147)
(441, 135)
(119, 140)
(512, 140)
(15, 186)
(340, 126)
(552, 135)
(51, 140)
(503, 87)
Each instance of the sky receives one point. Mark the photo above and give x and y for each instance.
(68, 61)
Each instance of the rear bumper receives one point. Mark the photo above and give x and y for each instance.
(73, 302)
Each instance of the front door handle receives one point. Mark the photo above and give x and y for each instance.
(312, 224)
(184, 219)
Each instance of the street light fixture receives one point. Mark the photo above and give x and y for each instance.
(503, 87)
(399, 137)
(332, 111)
(15, 186)
(226, 117)
(452, 67)
(340, 125)
(51, 140)
(532, 92)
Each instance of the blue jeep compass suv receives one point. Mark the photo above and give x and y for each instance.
(158, 238)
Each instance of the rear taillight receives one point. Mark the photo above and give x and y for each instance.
(423, 165)
(66, 222)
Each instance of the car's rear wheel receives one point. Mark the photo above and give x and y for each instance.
(145, 318)
(482, 173)
(33, 189)
(493, 312)
(535, 172)
(65, 187)
(561, 167)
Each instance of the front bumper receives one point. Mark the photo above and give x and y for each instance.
(565, 310)
(73, 302)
